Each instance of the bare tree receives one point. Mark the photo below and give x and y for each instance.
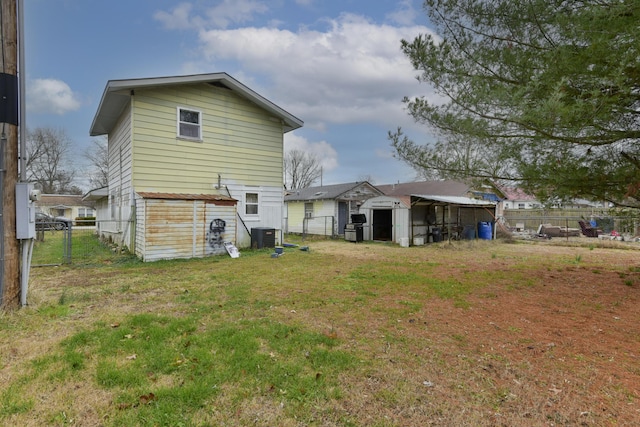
(301, 169)
(98, 156)
(47, 164)
(368, 178)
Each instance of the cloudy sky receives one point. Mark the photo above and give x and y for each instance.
(336, 65)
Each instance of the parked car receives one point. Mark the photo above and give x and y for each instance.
(48, 222)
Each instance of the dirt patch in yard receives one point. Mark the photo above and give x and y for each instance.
(558, 344)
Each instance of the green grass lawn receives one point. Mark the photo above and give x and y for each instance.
(342, 334)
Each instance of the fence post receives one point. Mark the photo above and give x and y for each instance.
(66, 242)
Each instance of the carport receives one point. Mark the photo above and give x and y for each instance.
(436, 218)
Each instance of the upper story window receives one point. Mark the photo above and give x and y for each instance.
(251, 204)
(189, 123)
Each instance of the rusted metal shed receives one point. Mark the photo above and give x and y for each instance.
(171, 226)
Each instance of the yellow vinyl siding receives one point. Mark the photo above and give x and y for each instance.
(295, 215)
(322, 223)
(240, 141)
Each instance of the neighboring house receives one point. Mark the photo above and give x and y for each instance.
(194, 161)
(65, 205)
(516, 198)
(325, 210)
(427, 211)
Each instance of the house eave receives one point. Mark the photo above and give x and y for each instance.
(117, 95)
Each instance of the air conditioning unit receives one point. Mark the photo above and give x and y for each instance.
(263, 237)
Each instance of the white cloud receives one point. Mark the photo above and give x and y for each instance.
(177, 19)
(352, 71)
(50, 96)
(322, 150)
(226, 13)
(405, 14)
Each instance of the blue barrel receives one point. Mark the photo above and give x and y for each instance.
(484, 230)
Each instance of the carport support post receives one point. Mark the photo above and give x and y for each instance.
(449, 222)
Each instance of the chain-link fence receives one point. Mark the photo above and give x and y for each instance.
(78, 243)
(608, 221)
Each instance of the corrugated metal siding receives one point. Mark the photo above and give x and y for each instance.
(221, 226)
(241, 142)
(184, 229)
(140, 223)
(169, 229)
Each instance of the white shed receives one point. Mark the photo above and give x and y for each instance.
(388, 219)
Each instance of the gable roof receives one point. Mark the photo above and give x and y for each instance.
(62, 201)
(117, 95)
(96, 194)
(324, 191)
(517, 194)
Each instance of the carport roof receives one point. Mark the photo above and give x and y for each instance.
(455, 200)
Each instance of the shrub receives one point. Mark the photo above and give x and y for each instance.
(85, 221)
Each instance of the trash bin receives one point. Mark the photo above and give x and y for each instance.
(469, 232)
(436, 234)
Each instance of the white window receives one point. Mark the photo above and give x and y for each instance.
(308, 210)
(85, 212)
(251, 204)
(189, 123)
(521, 206)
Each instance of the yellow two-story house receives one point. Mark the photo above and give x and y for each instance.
(194, 162)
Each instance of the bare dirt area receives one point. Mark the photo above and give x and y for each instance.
(558, 344)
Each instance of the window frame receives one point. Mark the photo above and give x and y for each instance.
(82, 212)
(256, 204)
(180, 122)
(308, 209)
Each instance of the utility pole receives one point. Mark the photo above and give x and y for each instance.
(9, 246)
